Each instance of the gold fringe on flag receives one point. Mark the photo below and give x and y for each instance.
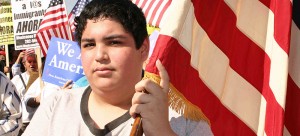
(150, 29)
(179, 103)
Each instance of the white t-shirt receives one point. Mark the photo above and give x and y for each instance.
(16, 80)
(35, 89)
(65, 113)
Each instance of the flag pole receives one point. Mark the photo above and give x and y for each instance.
(40, 68)
(69, 27)
(7, 59)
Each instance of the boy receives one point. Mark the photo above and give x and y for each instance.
(114, 44)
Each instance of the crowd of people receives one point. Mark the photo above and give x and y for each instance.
(114, 45)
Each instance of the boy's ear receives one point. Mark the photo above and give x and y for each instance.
(145, 48)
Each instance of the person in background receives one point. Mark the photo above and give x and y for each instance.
(40, 90)
(10, 114)
(21, 80)
(3, 68)
(16, 68)
(114, 45)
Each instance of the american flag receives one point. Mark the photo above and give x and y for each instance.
(237, 61)
(153, 10)
(76, 12)
(54, 23)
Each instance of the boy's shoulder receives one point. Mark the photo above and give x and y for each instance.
(65, 96)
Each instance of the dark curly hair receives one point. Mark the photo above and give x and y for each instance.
(123, 11)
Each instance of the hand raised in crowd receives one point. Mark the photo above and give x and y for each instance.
(153, 105)
(19, 59)
(68, 85)
(7, 69)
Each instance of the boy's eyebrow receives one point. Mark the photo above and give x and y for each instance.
(110, 37)
(87, 40)
(116, 36)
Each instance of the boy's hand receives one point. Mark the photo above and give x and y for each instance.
(153, 105)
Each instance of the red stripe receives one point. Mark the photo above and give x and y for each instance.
(71, 15)
(55, 20)
(155, 11)
(71, 18)
(246, 58)
(53, 26)
(52, 11)
(176, 60)
(43, 44)
(136, 2)
(60, 31)
(49, 35)
(282, 10)
(65, 32)
(162, 12)
(143, 4)
(56, 33)
(292, 108)
(149, 7)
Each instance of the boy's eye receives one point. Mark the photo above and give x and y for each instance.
(88, 45)
(114, 43)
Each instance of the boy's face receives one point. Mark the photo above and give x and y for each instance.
(30, 64)
(109, 57)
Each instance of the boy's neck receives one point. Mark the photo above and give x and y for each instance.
(103, 111)
(114, 100)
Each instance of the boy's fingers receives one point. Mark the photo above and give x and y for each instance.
(164, 82)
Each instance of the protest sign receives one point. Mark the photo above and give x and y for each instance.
(27, 16)
(6, 25)
(62, 62)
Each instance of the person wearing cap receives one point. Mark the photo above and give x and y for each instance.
(3, 68)
(20, 81)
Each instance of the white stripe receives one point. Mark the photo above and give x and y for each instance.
(252, 19)
(294, 57)
(151, 10)
(159, 10)
(42, 42)
(65, 32)
(69, 33)
(256, 21)
(140, 3)
(146, 5)
(57, 21)
(56, 14)
(235, 92)
(62, 31)
(178, 7)
(262, 117)
(57, 34)
(46, 37)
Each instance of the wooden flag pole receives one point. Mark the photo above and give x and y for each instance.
(69, 27)
(7, 59)
(40, 68)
